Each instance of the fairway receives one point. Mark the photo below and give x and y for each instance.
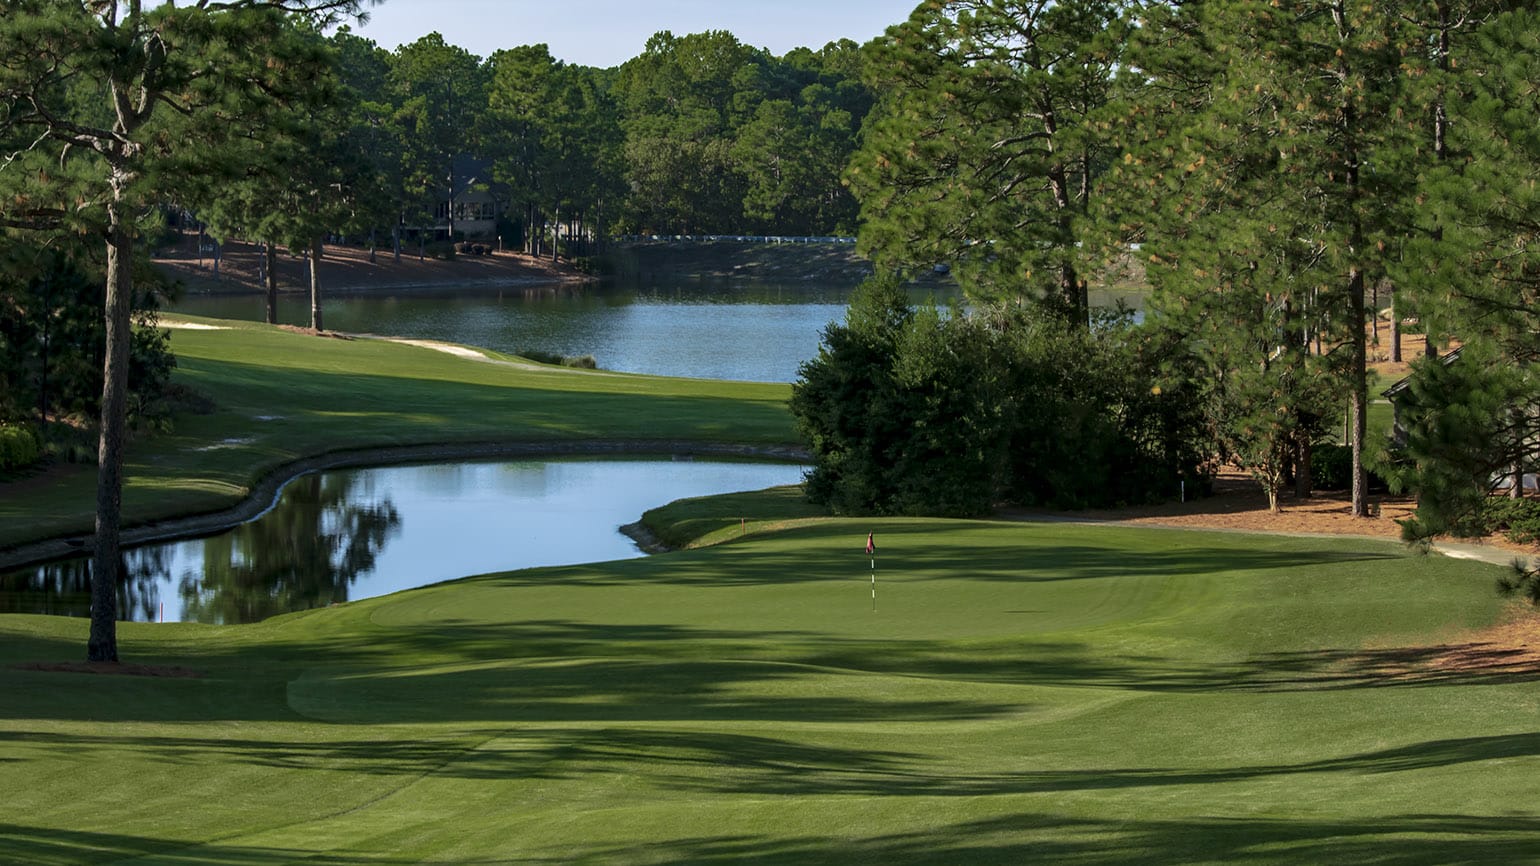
(1023, 692)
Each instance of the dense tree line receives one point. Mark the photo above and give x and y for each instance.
(699, 133)
(1273, 167)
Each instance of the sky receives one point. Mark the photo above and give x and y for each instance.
(609, 32)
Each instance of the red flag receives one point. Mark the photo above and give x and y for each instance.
(871, 546)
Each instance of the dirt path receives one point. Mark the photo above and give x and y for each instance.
(1238, 505)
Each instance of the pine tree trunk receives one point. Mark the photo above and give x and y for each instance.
(1302, 459)
(270, 255)
(1357, 410)
(1518, 457)
(102, 645)
(315, 285)
(1395, 329)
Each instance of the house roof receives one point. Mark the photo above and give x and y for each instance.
(1402, 384)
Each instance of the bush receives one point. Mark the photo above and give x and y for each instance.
(1331, 468)
(1517, 519)
(919, 412)
(19, 448)
(586, 362)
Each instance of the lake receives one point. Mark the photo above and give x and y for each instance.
(703, 329)
(757, 333)
(358, 533)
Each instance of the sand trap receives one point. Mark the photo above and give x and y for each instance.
(448, 348)
(191, 326)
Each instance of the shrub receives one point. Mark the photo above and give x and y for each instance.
(586, 362)
(920, 412)
(1517, 519)
(1331, 468)
(19, 448)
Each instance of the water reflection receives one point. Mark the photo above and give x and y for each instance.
(326, 529)
(330, 536)
(64, 588)
(339, 536)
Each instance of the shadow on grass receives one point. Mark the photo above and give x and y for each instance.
(1029, 837)
(722, 764)
(1021, 837)
(935, 561)
(34, 845)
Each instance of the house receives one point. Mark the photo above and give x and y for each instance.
(1395, 392)
(468, 211)
(1502, 480)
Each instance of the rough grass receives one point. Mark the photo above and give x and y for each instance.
(1023, 692)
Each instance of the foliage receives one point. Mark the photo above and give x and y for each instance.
(585, 362)
(1517, 519)
(1467, 422)
(1474, 274)
(1251, 172)
(721, 137)
(18, 448)
(985, 148)
(1108, 416)
(52, 342)
(844, 397)
(919, 412)
(103, 108)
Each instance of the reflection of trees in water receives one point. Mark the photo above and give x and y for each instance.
(64, 588)
(302, 554)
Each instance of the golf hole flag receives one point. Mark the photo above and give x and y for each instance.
(871, 550)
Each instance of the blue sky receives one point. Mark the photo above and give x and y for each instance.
(609, 32)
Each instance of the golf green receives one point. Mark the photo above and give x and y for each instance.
(1022, 692)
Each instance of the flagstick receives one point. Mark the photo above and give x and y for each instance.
(874, 584)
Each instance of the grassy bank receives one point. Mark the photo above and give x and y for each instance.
(282, 396)
(1023, 692)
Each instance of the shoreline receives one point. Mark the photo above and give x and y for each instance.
(347, 269)
(264, 494)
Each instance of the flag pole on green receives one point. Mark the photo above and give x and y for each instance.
(871, 551)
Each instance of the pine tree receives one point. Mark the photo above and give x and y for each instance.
(985, 148)
(1254, 157)
(1470, 423)
(82, 88)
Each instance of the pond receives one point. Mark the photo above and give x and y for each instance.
(759, 332)
(358, 533)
